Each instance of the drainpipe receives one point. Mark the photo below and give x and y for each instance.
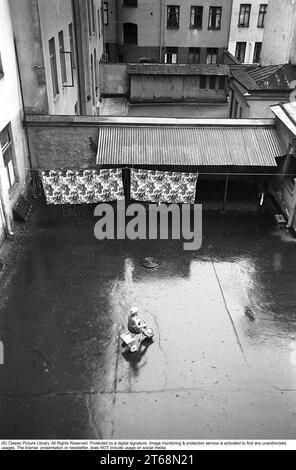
(76, 22)
(161, 33)
(4, 199)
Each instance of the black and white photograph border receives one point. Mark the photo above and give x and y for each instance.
(147, 226)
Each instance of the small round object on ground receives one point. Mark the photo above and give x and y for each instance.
(150, 262)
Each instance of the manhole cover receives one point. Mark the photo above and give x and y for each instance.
(150, 262)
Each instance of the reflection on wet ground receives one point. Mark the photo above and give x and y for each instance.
(214, 370)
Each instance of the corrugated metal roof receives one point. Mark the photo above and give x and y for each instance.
(181, 145)
(177, 69)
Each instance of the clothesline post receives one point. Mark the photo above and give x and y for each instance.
(225, 192)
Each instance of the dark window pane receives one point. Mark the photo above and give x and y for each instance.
(196, 17)
(202, 82)
(173, 13)
(130, 33)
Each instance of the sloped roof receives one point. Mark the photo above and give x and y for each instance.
(225, 145)
(270, 77)
(177, 69)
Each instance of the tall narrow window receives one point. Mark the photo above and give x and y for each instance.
(194, 55)
(8, 155)
(106, 13)
(244, 15)
(53, 67)
(196, 17)
(93, 17)
(171, 55)
(99, 22)
(62, 57)
(257, 52)
(212, 83)
(240, 51)
(212, 55)
(173, 16)
(130, 33)
(1, 68)
(72, 45)
(262, 15)
(96, 71)
(215, 16)
(203, 82)
(89, 14)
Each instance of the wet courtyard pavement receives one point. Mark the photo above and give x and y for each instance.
(211, 372)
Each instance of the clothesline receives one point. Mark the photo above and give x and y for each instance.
(229, 173)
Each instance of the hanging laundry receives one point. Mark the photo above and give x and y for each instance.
(163, 186)
(83, 186)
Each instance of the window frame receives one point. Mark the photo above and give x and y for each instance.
(63, 64)
(72, 44)
(171, 51)
(177, 8)
(215, 13)
(193, 54)
(255, 55)
(8, 154)
(53, 67)
(193, 14)
(1, 67)
(262, 15)
(105, 13)
(246, 14)
(212, 54)
(238, 45)
(131, 43)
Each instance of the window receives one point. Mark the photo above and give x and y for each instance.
(1, 68)
(62, 57)
(262, 15)
(72, 46)
(212, 83)
(130, 33)
(244, 15)
(235, 109)
(130, 3)
(196, 17)
(222, 83)
(89, 14)
(215, 18)
(8, 155)
(194, 55)
(240, 51)
(99, 22)
(203, 82)
(257, 52)
(291, 169)
(105, 13)
(173, 16)
(171, 55)
(53, 67)
(212, 55)
(93, 17)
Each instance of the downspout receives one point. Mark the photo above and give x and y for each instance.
(161, 31)
(76, 21)
(34, 182)
(4, 203)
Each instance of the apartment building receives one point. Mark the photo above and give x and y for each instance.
(168, 31)
(13, 149)
(248, 21)
(279, 45)
(59, 53)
